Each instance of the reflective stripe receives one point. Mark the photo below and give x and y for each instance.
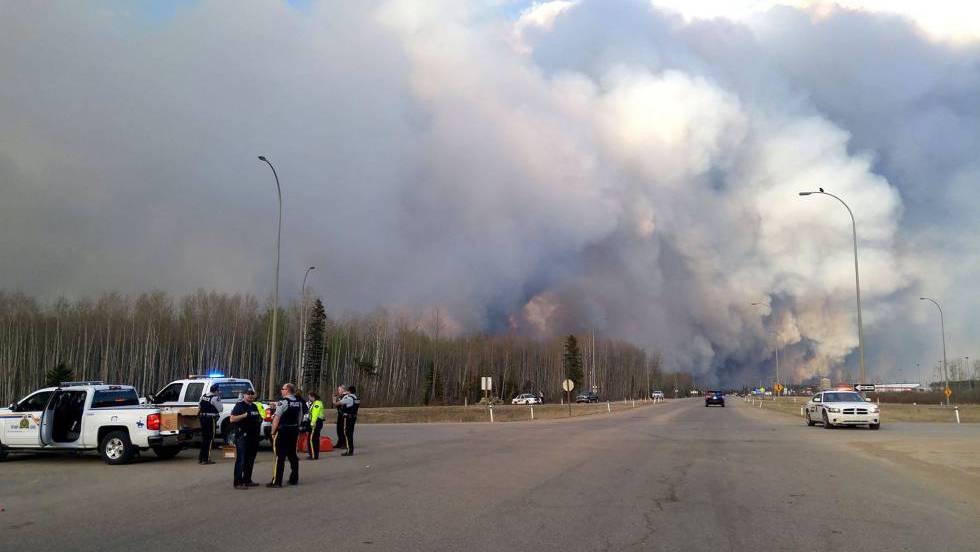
(275, 462)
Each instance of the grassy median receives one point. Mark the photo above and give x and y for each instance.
(480, 413)
(890, 412)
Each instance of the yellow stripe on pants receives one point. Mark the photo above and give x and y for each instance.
(275, 459)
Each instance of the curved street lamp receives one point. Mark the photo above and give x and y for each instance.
(302, 326)
(942, 328)
(275, 300)
(776, 345)
(857, 279)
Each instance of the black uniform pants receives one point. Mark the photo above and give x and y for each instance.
(314, 450)
(245, 450)
(341, 439)
(349, 423)
(207, 437)
(284, 446)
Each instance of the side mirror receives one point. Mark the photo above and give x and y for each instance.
(151, 398)
(13, 407)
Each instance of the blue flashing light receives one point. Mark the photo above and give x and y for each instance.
(216, 375)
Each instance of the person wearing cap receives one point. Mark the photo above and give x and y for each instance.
(247, 422)
(285, 430)
(207, 414)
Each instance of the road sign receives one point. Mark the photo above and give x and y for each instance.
(486, 383)
(762, 390)
(864, 387)
(568, 385)
(948, 392)
(779, 388)
(595, 389)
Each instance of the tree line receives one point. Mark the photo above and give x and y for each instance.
(394, 360)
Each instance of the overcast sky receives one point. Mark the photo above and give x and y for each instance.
(535, 167)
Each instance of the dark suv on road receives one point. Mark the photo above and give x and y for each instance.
(587, 397)
(714, 397)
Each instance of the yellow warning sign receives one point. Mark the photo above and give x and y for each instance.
(948, 392)
(779, 388)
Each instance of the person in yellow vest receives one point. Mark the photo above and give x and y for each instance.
(316, 424)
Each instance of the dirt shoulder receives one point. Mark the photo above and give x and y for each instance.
(479, 413)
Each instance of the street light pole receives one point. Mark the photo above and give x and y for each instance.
(857, 279)
(942, 328)
(776, 345)
(275, 300)
(302, 325)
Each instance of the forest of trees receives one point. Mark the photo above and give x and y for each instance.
(151, 339)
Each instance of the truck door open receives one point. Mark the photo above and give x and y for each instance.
(61, 423)
(24, 424)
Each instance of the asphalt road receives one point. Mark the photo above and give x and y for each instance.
(675, 476)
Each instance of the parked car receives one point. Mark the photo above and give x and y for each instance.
(841, 408)
(526, 398)
(87, 415)
(587, 397)
(656, 394)
(716, 398)
(187, 392)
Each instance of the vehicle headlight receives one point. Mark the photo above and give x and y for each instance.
(833, 410)
(874, 410)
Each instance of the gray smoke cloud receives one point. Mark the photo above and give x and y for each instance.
(539, 168)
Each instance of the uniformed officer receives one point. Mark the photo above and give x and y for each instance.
(208, 410)
(316, 425)
(341, 392)
(347, 406)
(285, 430)
(248, 423)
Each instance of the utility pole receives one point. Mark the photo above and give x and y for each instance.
(275, 300)
(942, 329)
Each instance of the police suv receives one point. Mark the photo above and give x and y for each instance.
(841, 408)
(188, 392)
(86, 415)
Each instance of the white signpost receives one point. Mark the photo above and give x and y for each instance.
(486, 385)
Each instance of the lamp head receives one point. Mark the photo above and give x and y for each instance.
(262, 158)
(805, 193)
(922, 298)
(312, 268)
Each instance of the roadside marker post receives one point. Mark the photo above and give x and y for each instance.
(957, 409)
(608, 407)
(491, 413)
(532, 411)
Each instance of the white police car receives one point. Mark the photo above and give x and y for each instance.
(841, 408)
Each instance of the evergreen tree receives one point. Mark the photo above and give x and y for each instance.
(572, 360)
(313, 347)
(58, 374)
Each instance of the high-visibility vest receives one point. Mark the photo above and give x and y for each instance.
(261, 408)
(316, 411)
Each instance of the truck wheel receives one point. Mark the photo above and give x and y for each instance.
(809, 422)
(228, 433)
(116, 448)
(3, 452)
(166, 453)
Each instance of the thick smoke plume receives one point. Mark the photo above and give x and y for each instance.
(539, 168)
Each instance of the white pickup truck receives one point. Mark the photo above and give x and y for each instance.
(86, 415)
(187, 392)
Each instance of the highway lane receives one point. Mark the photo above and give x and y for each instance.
(675, 476)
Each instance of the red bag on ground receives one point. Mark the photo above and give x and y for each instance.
(326, 445)
(303, 442)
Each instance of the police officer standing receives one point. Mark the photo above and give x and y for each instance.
(248, 423)
(347, 406)
(208, 410)
(285, 430)
(341, 392)
(316, 425)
